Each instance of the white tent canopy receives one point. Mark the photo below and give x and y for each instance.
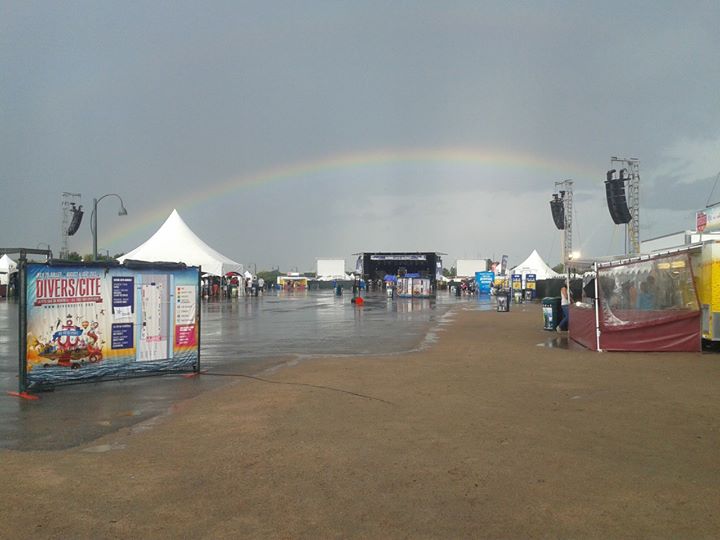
(535, 264)
(175, 242)
(7, 265)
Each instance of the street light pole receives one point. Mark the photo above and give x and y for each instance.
(93, 221)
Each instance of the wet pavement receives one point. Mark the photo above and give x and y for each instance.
(240, 336)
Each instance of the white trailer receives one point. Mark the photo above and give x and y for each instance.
(466, 268)
(330, 268)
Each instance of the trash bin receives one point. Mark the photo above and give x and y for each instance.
(529, 295)
(503, 300)
(552, 313)
(518, 296)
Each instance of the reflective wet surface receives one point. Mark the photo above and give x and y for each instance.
(246, 335)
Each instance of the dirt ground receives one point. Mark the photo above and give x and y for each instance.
(489, 433)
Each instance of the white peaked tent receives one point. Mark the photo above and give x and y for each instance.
(535, 264)
(175, 242)
(7, 267)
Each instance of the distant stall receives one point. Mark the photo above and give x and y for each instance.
(292, 282)
(414, 286)
(642, 304)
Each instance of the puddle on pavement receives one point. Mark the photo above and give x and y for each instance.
(102, 448)
(239, 335)
(560, 341)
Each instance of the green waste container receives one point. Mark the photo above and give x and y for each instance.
(552, 313)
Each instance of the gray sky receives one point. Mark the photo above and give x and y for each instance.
(287, 131)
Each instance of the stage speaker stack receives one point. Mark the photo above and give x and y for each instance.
(557, 206)
(616, 199)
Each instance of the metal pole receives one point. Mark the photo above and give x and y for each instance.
(94, 229)
(22, 324)
(198, 318)
(597, 308)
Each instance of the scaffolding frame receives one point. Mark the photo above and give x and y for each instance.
(565, 188)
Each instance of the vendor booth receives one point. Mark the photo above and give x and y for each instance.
(642, 304)
(414, 287)
(292, 282)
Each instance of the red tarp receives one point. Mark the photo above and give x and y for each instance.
(645, 304)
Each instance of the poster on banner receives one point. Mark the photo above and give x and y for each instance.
(155, 296)
(531, 281)
(88, 321)
(516, 280)
(530, 286)
(185, 315)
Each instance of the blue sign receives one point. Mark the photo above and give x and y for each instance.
(122, 291)
(485, 281)
(121, 336)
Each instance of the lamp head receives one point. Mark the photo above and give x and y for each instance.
(123, 211)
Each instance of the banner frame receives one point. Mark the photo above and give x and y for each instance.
(23, 385)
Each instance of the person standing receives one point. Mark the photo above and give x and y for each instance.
(565, 307)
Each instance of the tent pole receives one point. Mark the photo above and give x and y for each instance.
(597, 308)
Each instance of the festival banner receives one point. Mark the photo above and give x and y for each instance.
(503, 264)
(90, 321)
(531, 281)
(708, 220)
(530, 286)
(516, 280)
(485, 281)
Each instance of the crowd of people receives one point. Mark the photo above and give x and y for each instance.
(235, 285)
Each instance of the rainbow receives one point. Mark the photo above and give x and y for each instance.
(349, 162)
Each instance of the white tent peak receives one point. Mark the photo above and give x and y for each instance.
(174, 241)
(7, 264)
(535, 264)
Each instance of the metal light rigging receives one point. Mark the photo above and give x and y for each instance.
(562, 209)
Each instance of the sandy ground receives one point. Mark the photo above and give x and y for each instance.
(485, 434)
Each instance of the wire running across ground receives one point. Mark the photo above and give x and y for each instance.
(270, 381)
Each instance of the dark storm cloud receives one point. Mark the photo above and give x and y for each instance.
(160, 101)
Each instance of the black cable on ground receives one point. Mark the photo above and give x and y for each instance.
(321, 387)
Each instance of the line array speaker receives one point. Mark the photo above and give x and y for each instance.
(76, 220)
(557, 206)
(616, 199)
